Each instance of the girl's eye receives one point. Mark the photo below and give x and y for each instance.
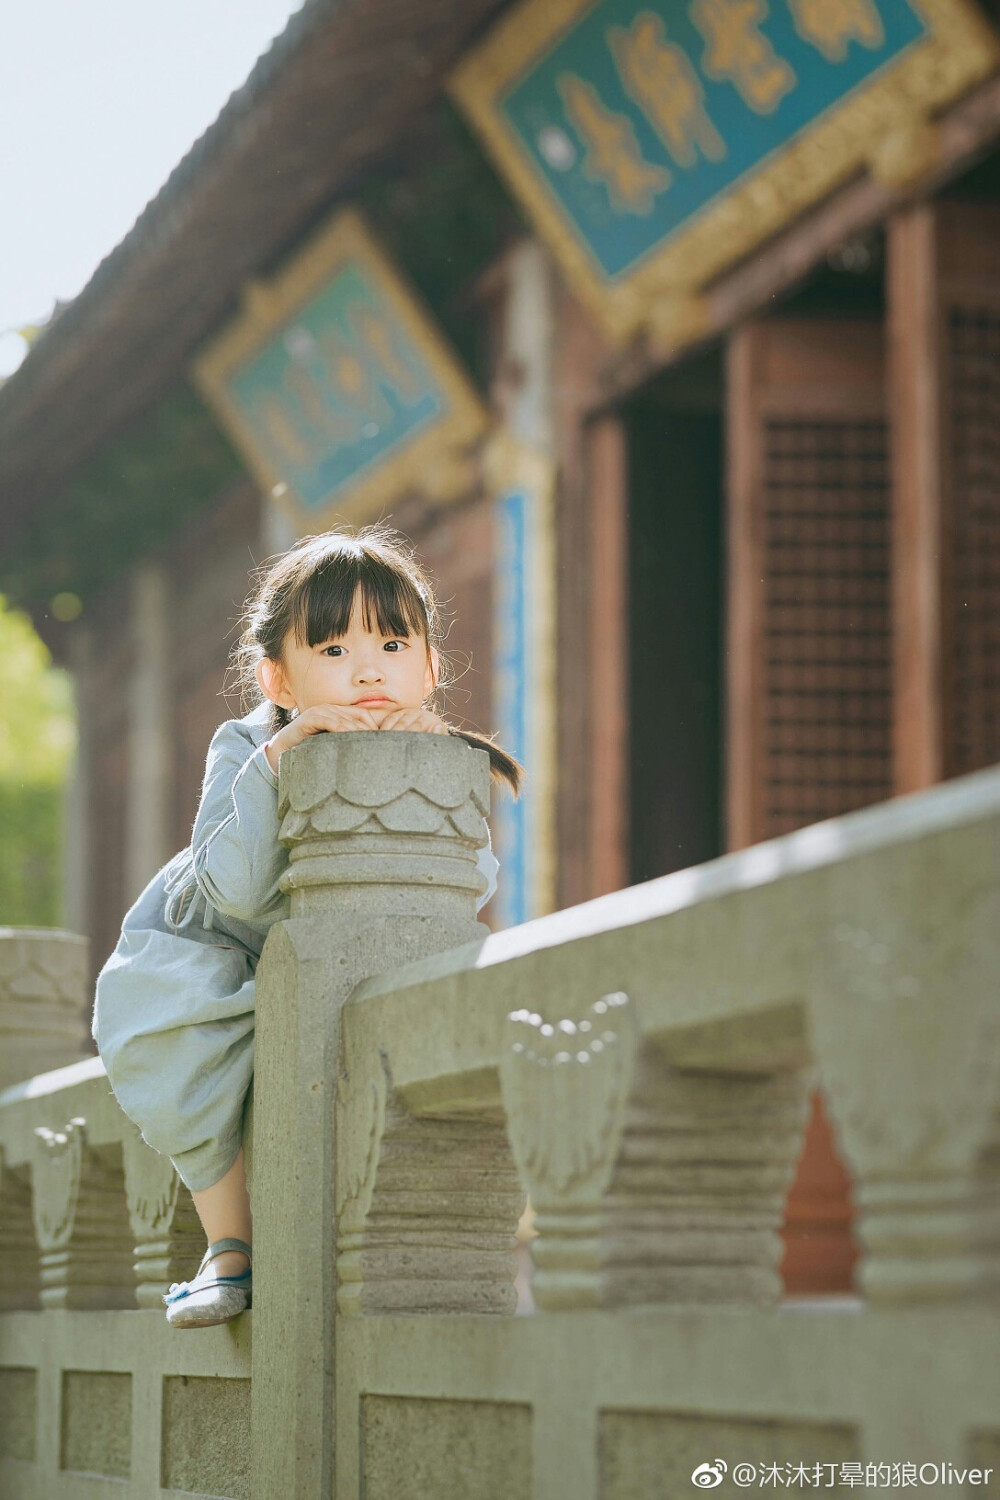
(329, 650)
(393, 645)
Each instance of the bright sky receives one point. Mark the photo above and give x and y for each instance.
(98, 103)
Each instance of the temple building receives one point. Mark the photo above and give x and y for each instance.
(668, 332)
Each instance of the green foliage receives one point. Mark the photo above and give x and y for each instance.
(30, 877)
(36, 745)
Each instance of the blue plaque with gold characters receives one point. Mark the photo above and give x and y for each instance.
(336, 387)
(655, 142)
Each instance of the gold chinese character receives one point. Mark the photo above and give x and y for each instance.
(381, 344)
(352, 388)
(831, 25)
(613, 153)
(661, 79)
(310, 391)
(737, 50)
(281, 428)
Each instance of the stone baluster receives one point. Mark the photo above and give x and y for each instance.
(383, 832)
(650, 1184)
(19, 1263)
(81, 1220)
(44, 1001)
(426, 1208)
(905, 1019)
(167, 1236)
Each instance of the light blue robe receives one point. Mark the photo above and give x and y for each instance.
(174, 1011)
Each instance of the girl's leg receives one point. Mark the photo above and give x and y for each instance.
(224, 1211)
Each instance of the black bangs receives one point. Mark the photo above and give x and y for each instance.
(389, 600)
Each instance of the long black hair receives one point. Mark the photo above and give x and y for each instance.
(310, 591)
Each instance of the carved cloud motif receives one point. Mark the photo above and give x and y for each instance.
(58, 1163)
(565, 1086)
(406, 783)
(151, 1188)
(359, 1125)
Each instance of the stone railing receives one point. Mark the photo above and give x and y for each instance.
(640, 1066)
(94, 1223)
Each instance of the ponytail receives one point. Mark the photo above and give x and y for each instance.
(503, 767)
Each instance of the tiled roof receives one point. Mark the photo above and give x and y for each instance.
(341, 89)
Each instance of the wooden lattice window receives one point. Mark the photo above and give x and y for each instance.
(972, 602)
(825, 672)
(809, 631)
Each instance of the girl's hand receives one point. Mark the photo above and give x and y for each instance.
(323, 719)
(420, 719)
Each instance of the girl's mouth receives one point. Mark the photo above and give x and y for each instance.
(378, 698)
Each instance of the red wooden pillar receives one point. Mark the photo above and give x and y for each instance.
(592, 551)
(944, 320)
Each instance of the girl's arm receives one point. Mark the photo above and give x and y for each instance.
(237, 857)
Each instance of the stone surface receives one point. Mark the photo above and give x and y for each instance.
(206, 1436)
(650, 1453)
(983, 1452)
(44, 1001)
(454, 1450)
(437, 1235)
(19, 1257)
(18, 1413)
(96, 1423)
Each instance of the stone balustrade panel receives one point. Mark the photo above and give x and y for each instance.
(90, 1216)
(861, 954)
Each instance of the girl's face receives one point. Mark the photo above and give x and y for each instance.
(362, 668)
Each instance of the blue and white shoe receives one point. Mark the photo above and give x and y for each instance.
(211, 1299)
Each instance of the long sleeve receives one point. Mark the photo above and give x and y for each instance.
(234, 846)
(487, 865)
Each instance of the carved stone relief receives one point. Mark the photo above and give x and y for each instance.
(167, 1236)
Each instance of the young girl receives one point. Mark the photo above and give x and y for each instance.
(342, 634)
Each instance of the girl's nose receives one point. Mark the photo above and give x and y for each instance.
(368, 671)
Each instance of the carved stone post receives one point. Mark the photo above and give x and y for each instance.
(383, 832)
(44, 1001)
(650, 1184)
